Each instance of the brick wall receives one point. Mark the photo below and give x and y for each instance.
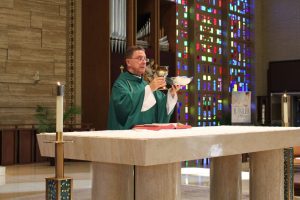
(32, 41)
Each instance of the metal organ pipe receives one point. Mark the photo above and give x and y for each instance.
(118, 29)
(118, 25)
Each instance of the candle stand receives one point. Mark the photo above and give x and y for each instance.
(288, 152)
(59, 187)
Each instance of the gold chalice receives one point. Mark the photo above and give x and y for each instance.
(162, 71)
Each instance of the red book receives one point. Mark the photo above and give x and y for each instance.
(157, 127)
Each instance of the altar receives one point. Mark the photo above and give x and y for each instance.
(145, 164)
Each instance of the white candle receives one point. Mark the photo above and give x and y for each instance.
(285, 110)
(59, 107)
(263, 109)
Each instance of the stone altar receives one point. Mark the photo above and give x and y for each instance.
(156, 157)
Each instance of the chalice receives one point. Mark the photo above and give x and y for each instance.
(162, 71)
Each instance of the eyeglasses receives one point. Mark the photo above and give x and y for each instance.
(140, 59)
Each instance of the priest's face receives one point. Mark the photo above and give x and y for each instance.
(137, 63)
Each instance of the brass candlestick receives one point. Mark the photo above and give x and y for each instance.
(59, 187)
(59, 156)
(288, 152)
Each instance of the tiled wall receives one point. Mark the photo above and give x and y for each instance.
(32, 42)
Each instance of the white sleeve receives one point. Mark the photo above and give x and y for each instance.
(149, 99)
(171, 102)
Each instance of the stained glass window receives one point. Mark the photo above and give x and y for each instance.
(213, 46)
(182, 48)
(239, 44)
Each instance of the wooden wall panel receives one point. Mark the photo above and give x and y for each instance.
(8, 148)
(95, 62)
(25, 146)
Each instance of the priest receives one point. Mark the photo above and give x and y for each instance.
(133, 101)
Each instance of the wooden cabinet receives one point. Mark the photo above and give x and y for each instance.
(19, 146)
(8, 147)
(26, 145)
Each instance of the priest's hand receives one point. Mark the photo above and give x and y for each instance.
(174, 90)
(157, 82)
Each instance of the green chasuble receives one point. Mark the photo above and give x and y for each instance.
(126, 104)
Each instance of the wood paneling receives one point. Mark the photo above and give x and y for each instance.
(95, 62)
(8, 148)
(25, 146)
(168, 23)
(283, 76)
(131, 29)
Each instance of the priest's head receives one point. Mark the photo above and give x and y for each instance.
(135, 58)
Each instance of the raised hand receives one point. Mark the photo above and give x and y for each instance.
(157, 82)
(174, 89)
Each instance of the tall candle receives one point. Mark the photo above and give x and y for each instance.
(263, 110)
(285, 109)
(59, 107)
